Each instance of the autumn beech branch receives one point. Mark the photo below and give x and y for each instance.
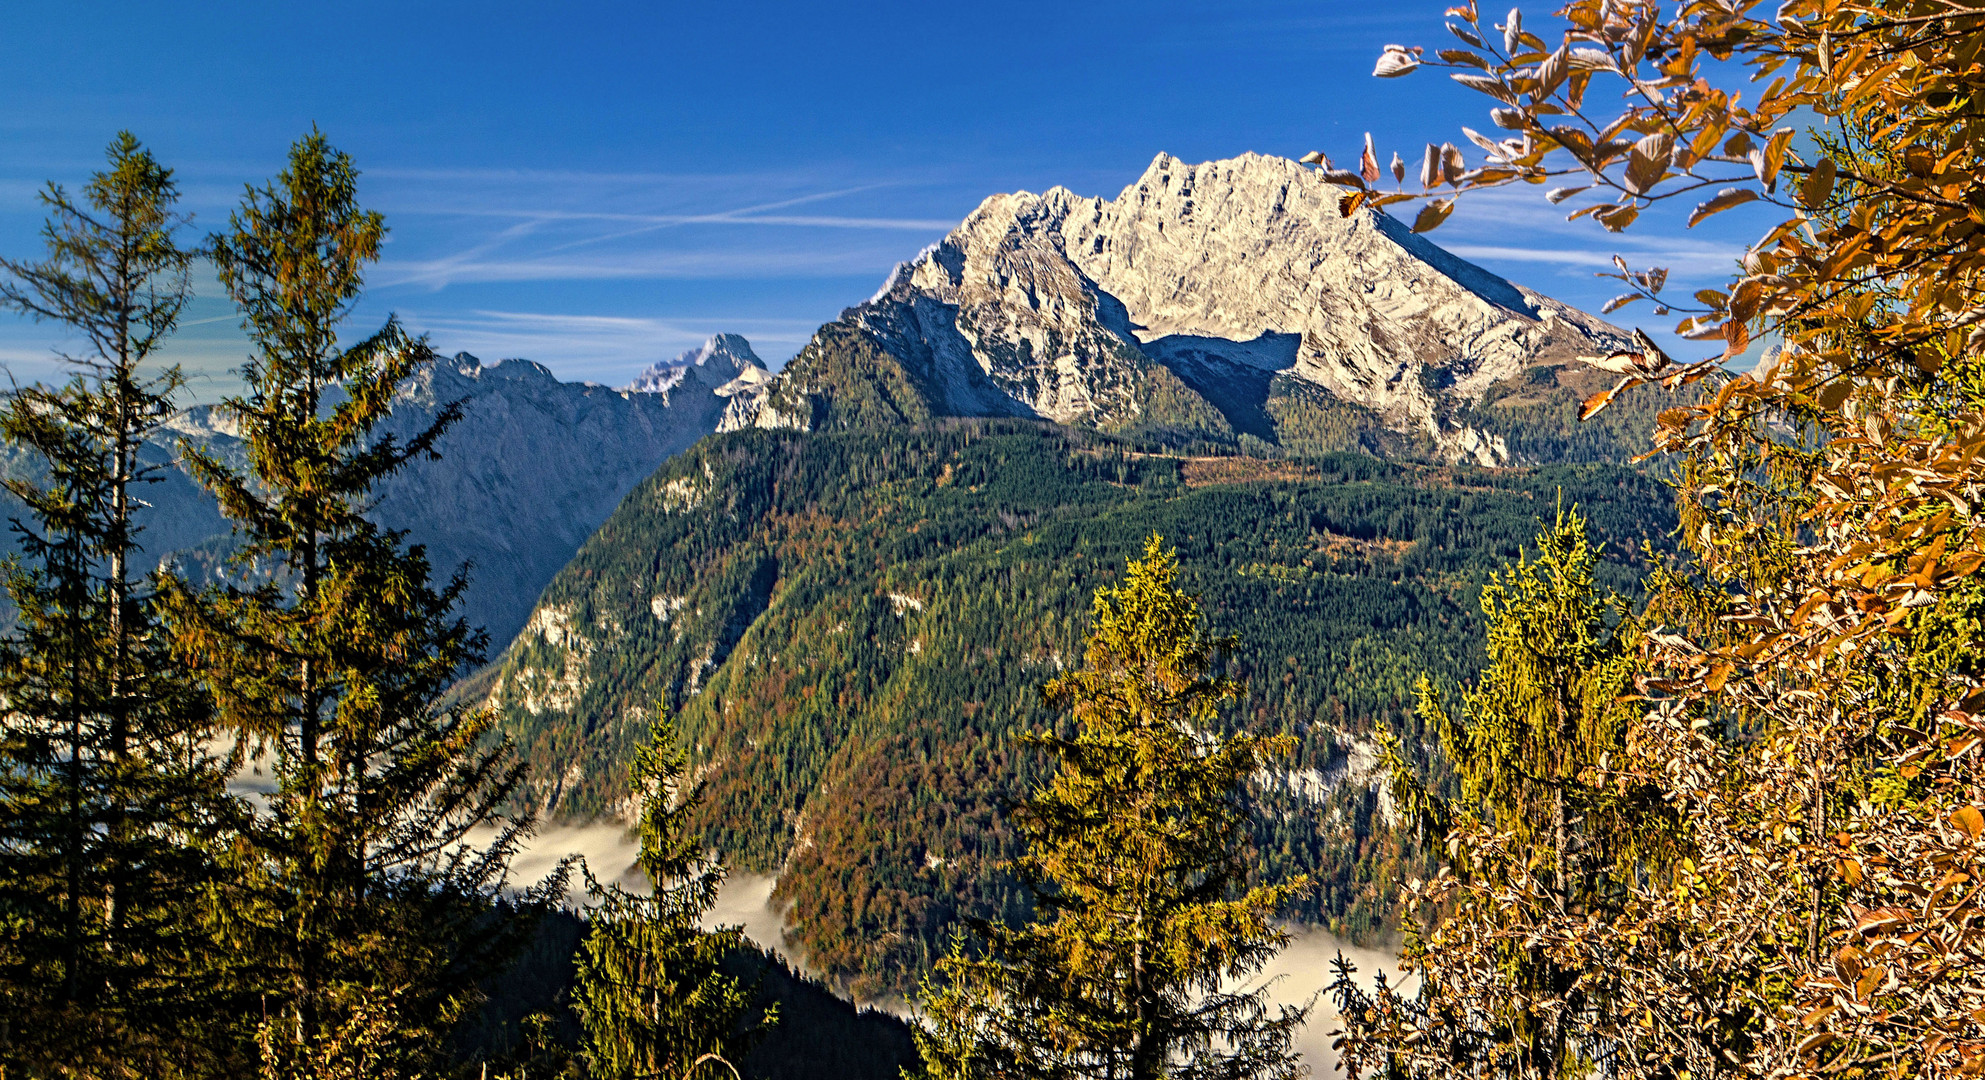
(1814, 688)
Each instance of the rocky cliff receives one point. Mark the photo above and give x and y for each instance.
(1206, 302)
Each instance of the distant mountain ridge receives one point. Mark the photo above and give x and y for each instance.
(527, 474)
(1218, 302)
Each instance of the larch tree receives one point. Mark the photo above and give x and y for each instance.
(650, 992)
(1145, 931)
(1812, 691)
(360, 903)
(108, 800)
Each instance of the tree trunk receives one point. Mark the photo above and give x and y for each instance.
(120, 594)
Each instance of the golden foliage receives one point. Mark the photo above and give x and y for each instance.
(1811, 680)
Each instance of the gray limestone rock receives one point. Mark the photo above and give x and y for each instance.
(1228, 274)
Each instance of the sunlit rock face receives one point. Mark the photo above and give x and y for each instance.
(1236, 277)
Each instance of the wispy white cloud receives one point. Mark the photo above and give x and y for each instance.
(231, 317)
(1485, 224)
(704, 264)
(206, 366)
(20, 195)
(565, 325)
(822, 221)
(1529, 255)
(13, 356)
(757, 214)
(1300, 29)
(571, 176)
(1514, 232)
(1695, 260)
(522, 226)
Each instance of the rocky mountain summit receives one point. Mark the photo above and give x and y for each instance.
(717, 363)
(1224, 302)
(527, 474)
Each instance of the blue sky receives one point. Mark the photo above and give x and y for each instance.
(600, 185)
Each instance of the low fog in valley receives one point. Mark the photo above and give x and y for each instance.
(1300, 971)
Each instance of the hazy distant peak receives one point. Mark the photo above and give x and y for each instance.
(469, 366)
(719, 360)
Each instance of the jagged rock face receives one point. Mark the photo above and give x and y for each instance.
(530, 470)
(1228, 275)
(714, 364)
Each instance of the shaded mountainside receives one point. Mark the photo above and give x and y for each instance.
(530, 470)
(853, 626)
(1226, 304)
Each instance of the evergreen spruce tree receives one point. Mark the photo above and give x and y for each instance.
(1135, 854)
(1544, 714)
(1538, 822)
(650, 993)
(359, 895)
(107, 799)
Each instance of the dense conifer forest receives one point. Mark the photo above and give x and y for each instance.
(854, 628)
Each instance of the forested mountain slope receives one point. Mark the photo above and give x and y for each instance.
(852, 627)
(1224, 304)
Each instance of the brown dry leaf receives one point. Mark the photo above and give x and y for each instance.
(1868, 982)
(1452, 164)
(1430, 168)
(1818, 187)
(1395, 61)
(1617, 218)
(1432, 214)
(1723, 200)
(1489, 85)
(1603, 398)
(1880, 919)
